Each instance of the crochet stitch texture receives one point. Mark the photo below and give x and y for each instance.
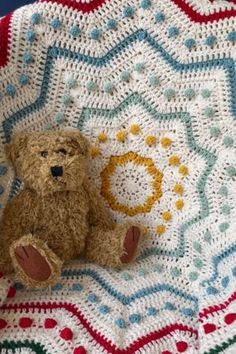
(152, 84)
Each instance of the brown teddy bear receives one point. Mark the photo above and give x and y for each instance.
(58, 215)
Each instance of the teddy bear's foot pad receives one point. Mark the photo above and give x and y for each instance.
(32, 263)
(131, 244)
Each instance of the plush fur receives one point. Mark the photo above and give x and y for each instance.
(61, 216)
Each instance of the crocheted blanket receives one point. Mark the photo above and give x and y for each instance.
(152, 84)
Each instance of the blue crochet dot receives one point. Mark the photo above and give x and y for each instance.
(210, 40)
(66, 100)
(159, 17)
(142, 272)
(108, 87)
(104, 309)
(125, 76)
(111, 24)
(197, 247)
(215, 132)
(57, 287)
(30, 36)
(228, 141)
(212, 291)
(206, 93)
(23, 79)
(225, 209)
(77, 287)
(169, 306)
(135, 318)
(234, 271)
(128, 11)
(27, 58)
(18, 286)
(71, 83)
(95, 34)
(139, 67)
(173, 32)
(188, 312)
(223, 191)
(232, 36)
(189, 93)
(3, 170)
(1, 189)
(224, 226)
(190, 43)
(92, 298)
(91, 86)
(145, 4)
(198, 263)
(152, 311)
(209, 112)
(193, 276)
(231, 171)
(48, 126)
(35, 19)
(126, 276)
(55, 23)
(158, 268)
(10, 90)
(154, 80)
(169, 93)
(120, 322)
(75, 31)
(225, 282)
(175, 272)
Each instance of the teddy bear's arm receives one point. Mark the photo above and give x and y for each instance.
(98, 216)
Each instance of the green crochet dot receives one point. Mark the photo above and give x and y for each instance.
(158, 268)
(231, 170)
(225, 209)
(125, 76)
(126, 276)
(207, 236)
(197, 247)
(206, 93)
(169, 93)
(224, 226)
(198, 263)
(48, 126)
(66, 100)
(175, 272)
(215, 132)
(154, 80)
(71, 83)
(91, 86)
(193, 276)
(108, 87)
(189, 93)
(139, 67)
(228, 141)
(223, 191)
(59, 118)
(209, 112)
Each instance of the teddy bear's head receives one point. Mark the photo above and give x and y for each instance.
(49, 162)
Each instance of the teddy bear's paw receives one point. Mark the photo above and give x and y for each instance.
(33, 264)
(130, 245)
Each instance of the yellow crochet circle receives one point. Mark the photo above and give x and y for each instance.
(178, 189)
(102, 137)
(160, 229)
(179, 204)
(150, 168)
(94, 151)
(134, 129)
(166, 215)
(150, 140)
(121, 136)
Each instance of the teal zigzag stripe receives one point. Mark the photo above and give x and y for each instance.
(210, 159)
(53, 52)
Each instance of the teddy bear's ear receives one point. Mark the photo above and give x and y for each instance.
(78, 140)
(17, 146)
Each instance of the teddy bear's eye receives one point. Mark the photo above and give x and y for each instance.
(62, 151)
(44, 154)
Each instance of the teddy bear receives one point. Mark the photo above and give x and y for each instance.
(58, 215)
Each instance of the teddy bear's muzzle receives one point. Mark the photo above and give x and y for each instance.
(57, 171)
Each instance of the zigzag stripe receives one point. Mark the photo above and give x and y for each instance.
(141, 35)
(107, 344)
(129, 299)
(216, 308)
(79, 6)
(5, 39)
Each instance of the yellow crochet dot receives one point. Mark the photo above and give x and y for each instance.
(150, 140)
(121, 136)
(166, 215)
(179, 204)
(102, 137)
(94, 151)
(166, 142)
(178, 189)
(160, 229)
(134, 129)
(145, 230)
(183, 170)
(174, 160)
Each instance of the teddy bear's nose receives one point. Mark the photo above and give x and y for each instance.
(57, 171)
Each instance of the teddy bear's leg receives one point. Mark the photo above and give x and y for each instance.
(35, 264)
(114, 248)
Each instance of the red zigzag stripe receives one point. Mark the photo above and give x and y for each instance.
(80, 6)
(110, 347)
(219, 307)
(5, 39)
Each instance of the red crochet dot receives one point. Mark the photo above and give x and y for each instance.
(3, 323)
(230, 318)
(166, 352)
(79, 350)
(11, 292)
(66, 333)
(209, 327)
(50, 323)
(25, 322)
(181, 346)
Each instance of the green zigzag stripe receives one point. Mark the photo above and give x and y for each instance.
(223, 346)
(210, 159)
(12, 345)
